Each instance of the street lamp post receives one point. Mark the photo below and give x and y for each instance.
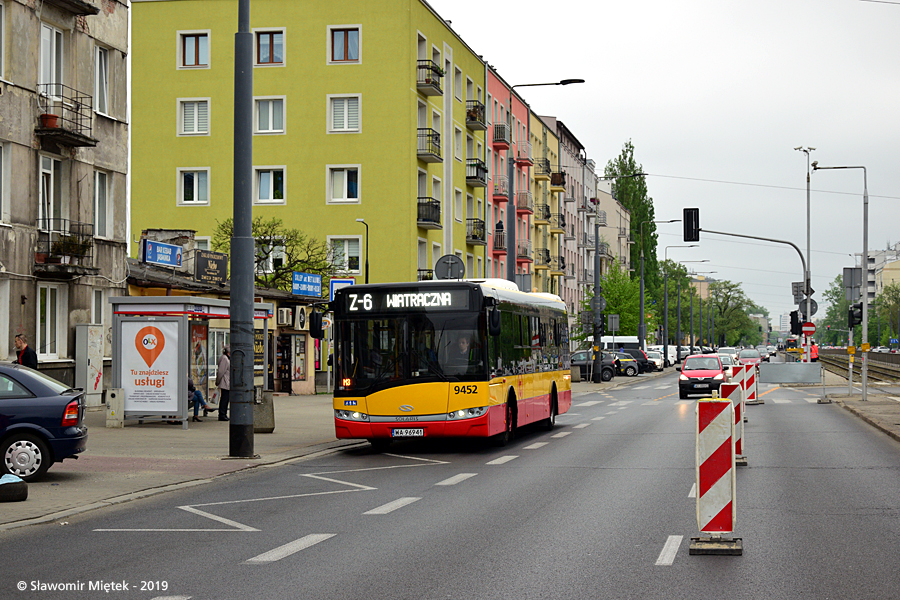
(641, 325)
(666, 304)
(865, 268)
(510, 169)
(807, 287)
(363, 221)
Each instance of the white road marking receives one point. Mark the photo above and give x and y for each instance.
(894, 398)
(502, 460)
(812, 400)
(561, 434)
(685, 402)
(590, 403)
(290, 548)
(391, 506)
(693, 492)
(456, 479)
(622, 402)
(582, 426)
(782, 401)
(622, 407)
(663, 387)
(612, 412)
(536, 445)
(670, 549)
(640, 387)
(171, 598)
(598, 418)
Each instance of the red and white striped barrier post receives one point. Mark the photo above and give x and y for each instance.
(715, 478)
(735, 393)
(751, 391)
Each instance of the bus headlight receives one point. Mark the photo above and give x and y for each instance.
(351, 415)
(467, 413)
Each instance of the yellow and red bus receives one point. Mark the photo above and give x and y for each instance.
(447, 359)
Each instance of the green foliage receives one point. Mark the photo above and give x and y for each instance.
(732, 308)
(622, 298)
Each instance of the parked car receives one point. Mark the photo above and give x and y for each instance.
(41, 422)
(582, 360)
(683, 352)
(656, 358)
(727, 363)
(643, 362)
(667, 360)
(750, 356)
(700, 374)
(626, 364)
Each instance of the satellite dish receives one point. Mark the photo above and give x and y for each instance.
(449, 266)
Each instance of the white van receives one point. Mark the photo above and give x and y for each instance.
(610, 342)
(670, 359)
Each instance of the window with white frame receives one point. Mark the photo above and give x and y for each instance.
(269, 184)
(50, 210)
(345, 253)
(193, 116)
(343, 183)
(193, 49)
(51, 67)
(458, 206)
(98, 306)
(457, 84)
(457, 143)
(269, 115)
(344, 44)
(269, 48)
(193, 186)
(203, 242)
(269, 257)
(101, 204)
(343, 114)
(101, 81)
(48, 320)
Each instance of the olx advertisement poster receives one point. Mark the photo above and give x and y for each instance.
(150, 366)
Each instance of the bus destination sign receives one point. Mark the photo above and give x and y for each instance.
(388, 301)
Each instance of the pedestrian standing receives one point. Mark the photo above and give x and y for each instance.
(25, 354)
(223, 382)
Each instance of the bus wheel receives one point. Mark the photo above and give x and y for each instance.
(502, 439)
(380, 444)
(550, 422)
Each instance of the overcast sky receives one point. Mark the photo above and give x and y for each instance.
(715, 95)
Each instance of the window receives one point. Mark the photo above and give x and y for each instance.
(204, 242)
(101, 194)
(10, 388)
(47, 321)
(99, 305)
(193, 186)
(458, 208)
(101, 85)
(193, 49)
(345, 253)
(344, 44)
(269, 257)
(270, 47)
(269, 185)
(193, 116)
(50, 210)
(269, 115)
(343, 183)
(457, 83)
(457, 143)
(51, 56)
(344, 114)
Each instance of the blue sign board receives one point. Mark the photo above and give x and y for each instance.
(306, 284)
(157, 253)
(336, 284)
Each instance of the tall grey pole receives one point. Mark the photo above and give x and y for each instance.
(641, 325)
(678, 336)
(700, 318)
(692, 318)
(807, 287)
(666, 318)
(240, 428)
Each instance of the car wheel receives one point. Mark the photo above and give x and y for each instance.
(25, 456)
(631, 371)
(606, 374)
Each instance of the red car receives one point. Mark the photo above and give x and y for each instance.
(750, 356)
(700, 374)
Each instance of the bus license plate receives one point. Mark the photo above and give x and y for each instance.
(408, 433)
(701, 385)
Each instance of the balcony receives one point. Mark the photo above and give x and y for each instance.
(557, 223)
(79, 8)
(586, 241)
(523, 154)
(523, 251)
(429, 213)
(476, 235)
(476, 172)
(541, 214)
(558, 181)
(475, 115)
(64, 248)
(499, 246)
(557, 265)
(424, 274)
(570, 234)
(501, 136)
(585, 206)
(601, 218)
(586, 276)
(428, 78)
(604, 250)
(622, 232)
(429, 145)
(569, 272)
(501, 188)
(524, 203)
(65, 115)
(541, 169)
(568, 198)
(541, 259)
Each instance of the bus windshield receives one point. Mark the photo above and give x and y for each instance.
(382, 352)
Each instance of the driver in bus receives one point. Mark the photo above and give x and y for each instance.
(463, 354)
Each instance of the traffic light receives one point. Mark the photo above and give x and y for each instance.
(854, 315)
(691, 221)
(795, 323)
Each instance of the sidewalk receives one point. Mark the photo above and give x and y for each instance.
(144, 460)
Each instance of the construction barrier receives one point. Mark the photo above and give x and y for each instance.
(715, 478)
(735, 393)
(751, 390)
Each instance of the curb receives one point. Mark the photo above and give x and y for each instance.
(868, 420)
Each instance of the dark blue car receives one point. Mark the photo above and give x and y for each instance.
(41, 422)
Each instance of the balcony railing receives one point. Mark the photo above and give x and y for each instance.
(523, 153)
(428, 78)
(475, 115)
(622, 232)
(501, 135)
(601, 218)
(558, 222)
(501, 188)
(541, 214)
(524, 202)
(499, 241)
(586, 240)
(475, 232)
(476, 172)
(541, 168)
(570, 233)
(76, 7)
(61, 241)
(523, 251)
(558, 179)
(542, 258)
(429, 145)
(557, 263)
(429, 213)
(65, 115)
(569, 272)
(425, 275)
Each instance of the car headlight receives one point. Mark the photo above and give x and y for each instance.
(683, 377)
(351, 415)
(719, 376)
(467, 413)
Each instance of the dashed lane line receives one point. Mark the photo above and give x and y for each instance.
(502, 460)
(536, 445)
(670, 549)
(289, 548)
(456, 479)
(391, 506)
(581, 426)
(561, 434)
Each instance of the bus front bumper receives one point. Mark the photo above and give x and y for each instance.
(486, 425)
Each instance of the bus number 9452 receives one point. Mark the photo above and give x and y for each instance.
(465, 389)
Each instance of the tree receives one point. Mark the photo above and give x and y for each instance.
(835, 321)
(622, 296)
(732, 309)
(279, 252)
